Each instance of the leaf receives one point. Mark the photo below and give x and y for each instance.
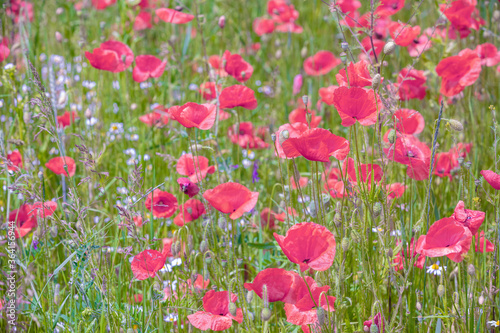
(262, 246)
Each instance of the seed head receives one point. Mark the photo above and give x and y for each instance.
(389, 47)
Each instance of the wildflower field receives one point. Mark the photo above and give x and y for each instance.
(249, 166)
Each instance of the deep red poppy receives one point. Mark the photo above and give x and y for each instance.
(409, 121)
(282, 11)
(216, 316)
(401, 258)
(138, 298)
(403, 34)
(102, 4)
(302, 181)
(316, 144)
(445, 163)
(482, 244)
(15, 161)
(308, 244)
(42, 209)
(336, 188)
(458, 72)
(326, 94)
(143, 21)
(491, 178)
(395, 190)
(419, 45)
(488, 54)
(167, 247)
(19, 9)
(4, 49)
(471, 219)
(158, 117)
(356, 104)
(283, 216)
(262, 26)
(161, 203)
(111, 56)
(232, 198)
(389, 7)
(147, 66)
(189, 115)
(138, 220)
(216, 63)
(321, 63)
(24, 221)
(67, 119)
(409, 151)
(411, 84)
(445, 238)
(188, 187)
(195, 167)
(348, 6)
(237, 95)
(299, 116)
(366, 171)
(56, 165)
(208, 92)
(198, 285)
(289, 27)
(268, 219)
(378, 44)
(377, 320)
(147, 263)
(463, 16)
(244, 135)
(282, 286)
(359, 75)
(190, 211)
(173, 16)
(237, 67)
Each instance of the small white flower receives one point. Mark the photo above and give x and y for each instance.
(377, 229)
(116, 128)
(436, 269)
(395, 233)
(493, 323)
(171, 318)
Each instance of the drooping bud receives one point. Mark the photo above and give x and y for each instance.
(53, 231)
(377, 209)
(345, 244)
(297, 84)
(265, 314)
(222, 22)
(392, 136)
(320, 312)
(203, 247)
(303, 52)
(344, 46)
(232, 309)
(389, 47)
(176, 248)
(366, 329)
(374, 328)
(249, 296)
(440, 290)
(376, 81)
(456, 125)
(305, 99)
(265, 296)
(480, 301)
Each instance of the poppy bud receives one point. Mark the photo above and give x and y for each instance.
(374, 328)
(456, 125)
(232, 309)
(278, 54)
(419, 306)
(312, 208)
(249, 296)
(27, 117)
(454, 273)
(344, 46)
(53, 231)
(343, 57)
(208, 260)
(265, 314)
(264, 296)
(320, 312)
(222, 22)
(251, 316)
(59, 37)
(239, 261)
(273, 137)
(366, 329)
(389, 47)
(440, 290)
(305, 99)
(496, 15)
(40, 175)
(88, 113)
(223, 263)
(59, 11)
(222, 223)
(203, 246)
(377, 209)
(390, 253)
(284, 135)
(392, 136)
(303, 52)
(481, 300)
(345, 244)
(471, 270)
(176, 248)
(130, 330)
(376, 81)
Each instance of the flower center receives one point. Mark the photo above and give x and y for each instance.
(435, 266)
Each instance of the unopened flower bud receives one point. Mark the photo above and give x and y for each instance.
(366, 329)
(377, 209)
(419, 306)
(390, 253)
(203, 247)
(278, 54)
(345, 244)
(374, 328)
(265, 314)
(249, 296)
(456, 125)
(303, 52)
(208, 260)
(273, 137)
(389, 47)
(232, 309)
(496, 15)
(320, 312)
(343, 57)
(222, 22)
(392, 136)
(471, 270)
(344, 46)
(53, 231)
(481, 300)
(440, 290)
(222, 223)
(305, 99)
(59, 37)
(376, 81)
(223, 263)
(251, 316)
(176, 248)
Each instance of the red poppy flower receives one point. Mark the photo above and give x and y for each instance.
(102, 4)
(389, 7)
(321, 63)
(458, 72)
(14, 161)
(409, 121)
(299, 116)
(111, 56)
(491, 178)
(401, 258)
(283, 216)
(244, 136)
(198, 285)
(348, 6)
(402, 33)
(196, 168)
(302, 181)
(289, 27)
(43, 209)
(167, 247)
(482, 244)
(281, 11)
(445, 238)
(147, 263)
(395, 190)
(232, 198)
(147, 66)
(190, 211)
(268, 219)
(137, 220)
(237, 95)
(359, 75)
(316, 144)
(237, 67)
(24, 221)
(143, 21)
(67, 119)
(326, 94)
(207, 90)
(366, 171)
(262, 26)
(216, 316)
(158, 117)
(161, 203)
(56, 165)
(138, 298)
(471, 219)
(488, 54)
(188, 187)
(463, 16)
(4, 49)
(308, 244)
(172, 16)
(189, 115)
(377, 320)
(444, 164)
(216, 63)
(356, 104)
(408, 150)
(367, 45)
(419, 45)
(411, 84)
(282, 285)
